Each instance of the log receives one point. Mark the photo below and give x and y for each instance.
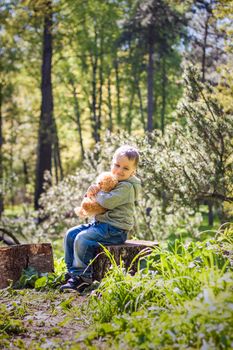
(125, 252)
(18, 257)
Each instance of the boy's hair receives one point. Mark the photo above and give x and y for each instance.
(128, 151)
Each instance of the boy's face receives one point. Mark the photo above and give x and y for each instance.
(122, 167)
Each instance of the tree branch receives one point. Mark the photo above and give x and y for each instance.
(7, 240)
(215, 195)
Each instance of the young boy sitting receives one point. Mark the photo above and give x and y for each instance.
(108, 228)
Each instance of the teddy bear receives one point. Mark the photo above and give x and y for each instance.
(106, 182)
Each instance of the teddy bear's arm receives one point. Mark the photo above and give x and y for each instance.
(92, 190)
(92, 207)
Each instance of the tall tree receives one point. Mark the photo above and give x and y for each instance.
(206, 39)
(157, 24)
(9, 53)
(44, 155)
(1, 163)
(206, 50)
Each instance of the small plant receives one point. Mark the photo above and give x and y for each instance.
(9, 319)
(30, 278)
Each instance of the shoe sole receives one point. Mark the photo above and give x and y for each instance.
(80, 288)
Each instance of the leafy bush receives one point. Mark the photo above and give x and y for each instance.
(190, 163)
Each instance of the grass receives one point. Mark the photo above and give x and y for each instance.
(182, 299)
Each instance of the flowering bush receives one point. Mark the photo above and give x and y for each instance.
(190, 163)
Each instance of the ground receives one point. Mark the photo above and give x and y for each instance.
(43, 320)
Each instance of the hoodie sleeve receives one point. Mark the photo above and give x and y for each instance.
(120, 195)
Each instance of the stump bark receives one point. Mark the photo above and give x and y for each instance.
(125, 252)
(16, 258)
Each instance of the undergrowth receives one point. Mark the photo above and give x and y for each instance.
(181, 299)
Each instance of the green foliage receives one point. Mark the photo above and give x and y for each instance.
(182, 299)
(27, 278)
(30, 278)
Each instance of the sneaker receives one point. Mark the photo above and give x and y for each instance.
(76, 283)
(67, 276)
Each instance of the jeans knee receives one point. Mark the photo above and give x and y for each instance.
(69, 236)
(78, 241)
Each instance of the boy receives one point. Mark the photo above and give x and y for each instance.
(109, 228)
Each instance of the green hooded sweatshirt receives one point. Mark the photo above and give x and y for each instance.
(120, 203)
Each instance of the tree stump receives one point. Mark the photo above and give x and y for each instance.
(16, 258)
(125, 252)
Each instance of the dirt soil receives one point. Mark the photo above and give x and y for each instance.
(35, 320)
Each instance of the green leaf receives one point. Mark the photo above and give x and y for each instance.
(41, 282)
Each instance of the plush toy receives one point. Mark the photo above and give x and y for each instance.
(89, 207)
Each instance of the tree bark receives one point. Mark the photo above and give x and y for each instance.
(119, 119)
(1, 162)
(126, 252)
(77, 116)
(164, 95)
(141, 106)
(150, 82)
(12, 143)
(101, 82)
(129, 117)
(203, 65)
(94, 63)
(210, 213)
(16, 258)
(110, 124)
(56, 152)
(44, 155)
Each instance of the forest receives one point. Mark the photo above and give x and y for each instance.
(78, 79)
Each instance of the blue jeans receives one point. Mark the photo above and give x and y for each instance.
(80, 245)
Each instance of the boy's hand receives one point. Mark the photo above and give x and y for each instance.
(92, 190)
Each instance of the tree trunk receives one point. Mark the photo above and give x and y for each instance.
(119, 119)
(141, 106)
(94, 63)
(25, 173)
(150, 83)
(210, 213)
(127, 252)
(56, 153)
(1, 162)
(129, 114)
(44, 155)
(18, 257)
(12, 143)
(77, 115)
(164, 95)
(203, 65)
(109, 102)
(101, 81)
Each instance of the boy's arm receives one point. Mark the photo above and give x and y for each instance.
(118, 196)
